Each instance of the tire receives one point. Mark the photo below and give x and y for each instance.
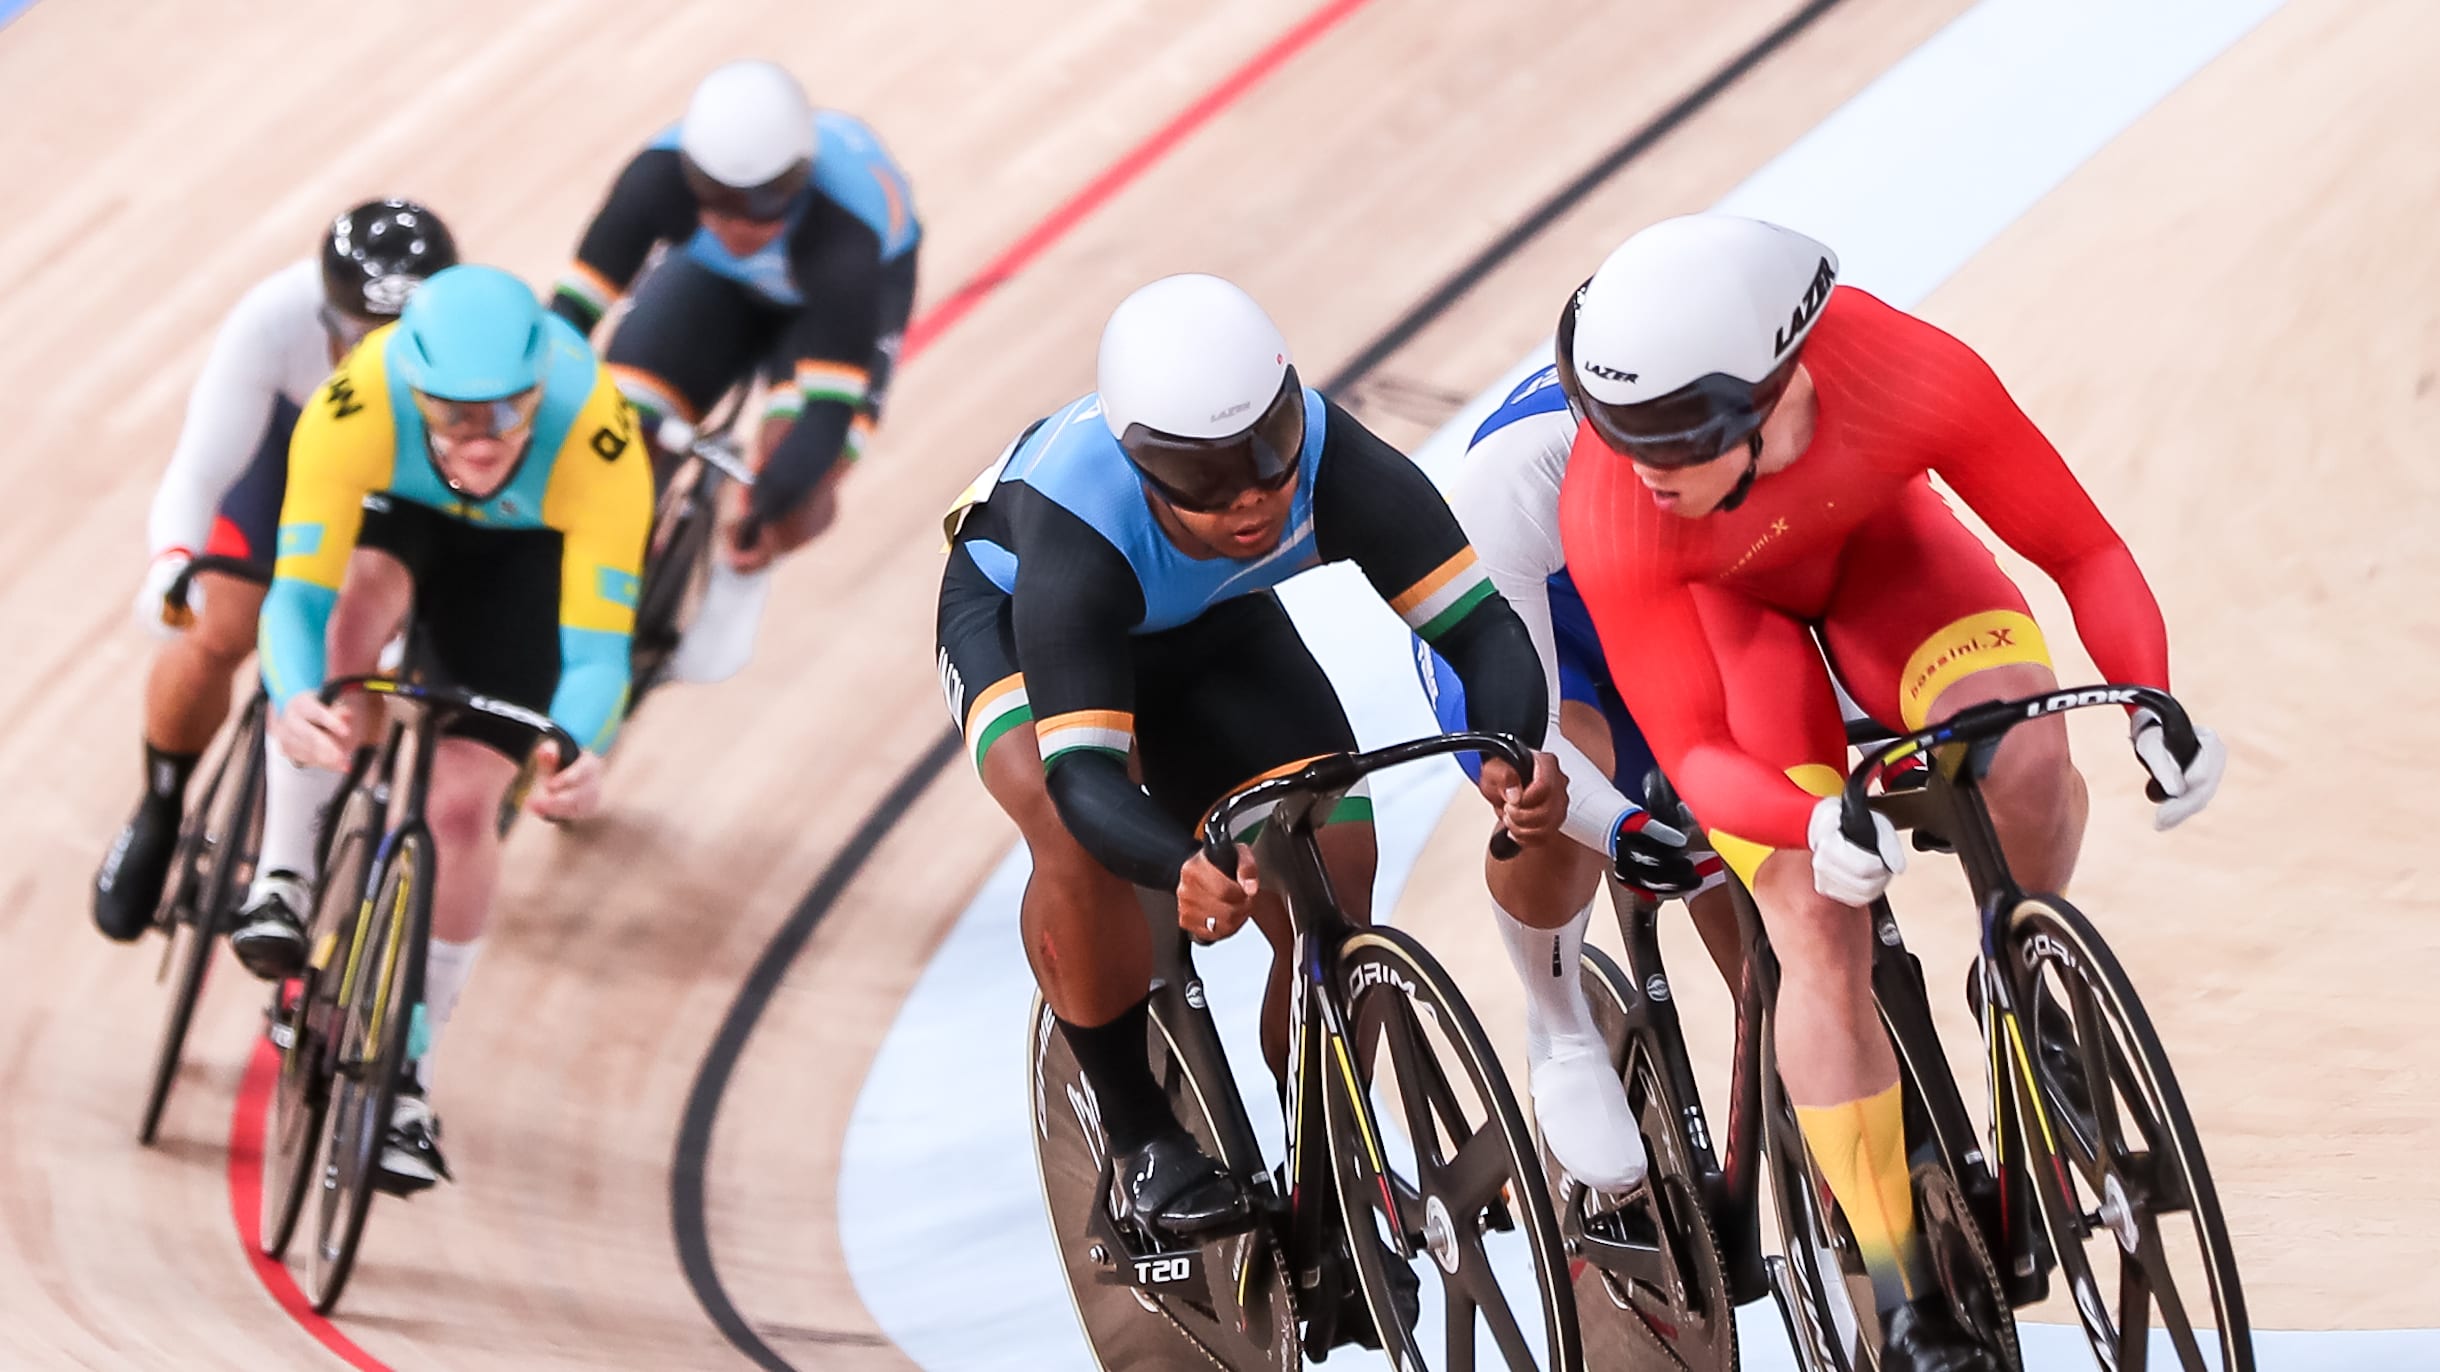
(1402, 1008)
(1671, 1309)
(301, 1096)
(1129, 1331)
(673, 582)
(2130, 1155)
(368, 1052)
(214, 846)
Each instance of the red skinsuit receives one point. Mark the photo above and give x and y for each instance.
(1709, 623)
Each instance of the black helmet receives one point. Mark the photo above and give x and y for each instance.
(375, 254)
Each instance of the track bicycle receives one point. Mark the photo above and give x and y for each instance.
(213, 862)
(354, 1022)
(2072, 1175)
(691, 467)
(1379, 1035)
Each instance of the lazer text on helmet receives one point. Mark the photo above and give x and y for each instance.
(1817, 293)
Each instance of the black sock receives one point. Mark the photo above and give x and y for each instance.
(165, 776)
(1111, 1056)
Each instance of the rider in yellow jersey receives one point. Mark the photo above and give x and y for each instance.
(476, 460)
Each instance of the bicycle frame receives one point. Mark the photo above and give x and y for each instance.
(398, 826)
(1288, 853)
(402, 819)
(1290, 859)
(1947, 812)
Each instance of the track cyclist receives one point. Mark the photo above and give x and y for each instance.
(221, 495)
(1749, 491)
(793, 241)
(476, 460)
(1150, 520)
(1506, 496)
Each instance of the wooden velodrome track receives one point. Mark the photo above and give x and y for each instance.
(2228, 319)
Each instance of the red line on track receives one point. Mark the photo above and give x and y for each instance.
(1130, 165)
(246, 1205)
(245, 1168)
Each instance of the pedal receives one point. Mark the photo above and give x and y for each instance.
(276, 1028)
(2028, 1282)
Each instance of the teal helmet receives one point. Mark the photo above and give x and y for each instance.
(472, 333)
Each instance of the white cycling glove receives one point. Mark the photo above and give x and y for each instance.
(154, 614)
(2181, 791)
(1844, 872)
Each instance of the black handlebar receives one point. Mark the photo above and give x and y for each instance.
(182, 584)
(451, 700)
(1992, 719)
(1339, 771)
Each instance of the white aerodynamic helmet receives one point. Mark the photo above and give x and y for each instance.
(1198, 387)
(1681, 343)
(747, 141)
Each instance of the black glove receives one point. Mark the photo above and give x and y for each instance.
(1652, 857)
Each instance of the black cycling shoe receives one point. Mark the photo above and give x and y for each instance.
(1170, 1185)
(269, 938)
(1924, 1337)
(127, 890)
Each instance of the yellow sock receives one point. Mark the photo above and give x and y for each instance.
(1861, 1149)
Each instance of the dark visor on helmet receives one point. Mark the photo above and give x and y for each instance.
(1207, 475)
(762, 203)
(1693, 424)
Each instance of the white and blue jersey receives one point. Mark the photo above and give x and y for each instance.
(1072, 459)
(1066, 604)
(851, 171)
(1506, 494)
(853, 224)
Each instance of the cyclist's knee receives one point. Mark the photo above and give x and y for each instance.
(2032, 772)
(224, 630)
(1584, 726)
(1546, 883)
(1351, 854)
(1814, 936)
(463, 806)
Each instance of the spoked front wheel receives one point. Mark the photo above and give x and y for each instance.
(1437, 1172)
(2115, 1154)
(1234, 1309)
(1650, 1289)
(368, 1052)
(215, 852)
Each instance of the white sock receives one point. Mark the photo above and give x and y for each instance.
(1546, 966)
(720, 642)
(293, 801)
(446, 967)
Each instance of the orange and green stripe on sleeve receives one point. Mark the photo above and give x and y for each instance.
(1447, 594)
(1105, 731)
(1001, 707)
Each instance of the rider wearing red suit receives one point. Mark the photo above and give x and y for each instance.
(1750, 490)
